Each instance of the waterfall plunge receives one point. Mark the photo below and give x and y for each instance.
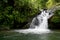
(39, 24)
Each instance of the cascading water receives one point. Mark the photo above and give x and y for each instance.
(39, 24)
(41, 21)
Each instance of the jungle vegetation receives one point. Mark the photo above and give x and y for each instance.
(16, 14)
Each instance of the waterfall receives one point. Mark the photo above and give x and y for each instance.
(41, 21)
(39, 24)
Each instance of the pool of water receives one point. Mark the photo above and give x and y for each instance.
(9, 35)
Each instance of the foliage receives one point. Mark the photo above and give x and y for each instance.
(17, 13)
(50, 3)
(56, 17)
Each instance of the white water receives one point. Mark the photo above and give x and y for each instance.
(39, 24)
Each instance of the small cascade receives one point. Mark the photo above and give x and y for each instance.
(39, 24)
(41, 21)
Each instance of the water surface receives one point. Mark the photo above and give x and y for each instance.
(9, 35)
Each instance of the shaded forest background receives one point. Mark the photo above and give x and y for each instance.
(17, 14)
